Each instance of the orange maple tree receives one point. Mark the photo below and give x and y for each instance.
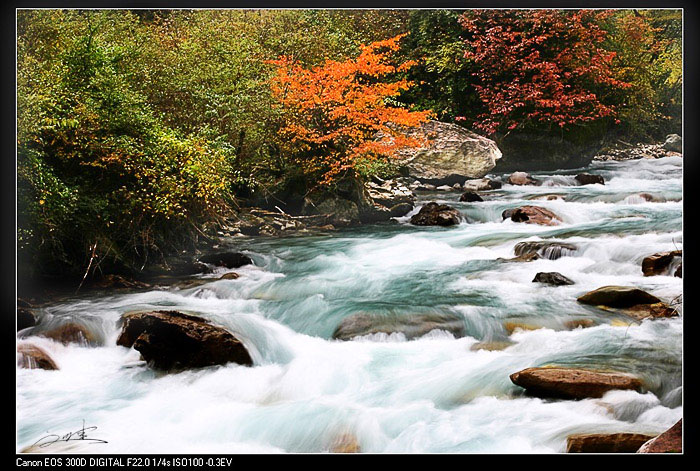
(340, 112)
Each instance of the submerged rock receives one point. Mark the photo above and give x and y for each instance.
(527, 257)
(589, 179)
(450, 155)
(548, 249)
(411, 326)
(227, 259)
(552, 278)
(571, 383)
(481, 184)
(433, 214)
(606, 442)
(491, 346)
(470, 197)
(230, 276)
(521, 178)
(532, 215)
(32, 357)
(345, 443)
(513, 326)
(659, 263)
(671, 441)
(71, 332)
(576, 323)
(171, 340)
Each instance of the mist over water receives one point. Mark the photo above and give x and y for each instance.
(431, 394)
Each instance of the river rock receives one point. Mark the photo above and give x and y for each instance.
(548, 249)
(527, 257)
(521, 178)
(659, 263)
(345, 443)
(230, 276)
(571, 383)
(532, 215)
(227, 259)
(674, 143)
(589, 179)
(671, 441)
(606, 442)
(679, 271)
(450, 154)
(470, 197)
(576, 323)
(481, 184)
(389, 193)
(25, 318)
(433, 214)
(411, 326)
(618, 297)
(493, 346)
(32, 357)
(171, 340)
(118, 282)
(71, 332)
(445, 188)
(552, 278)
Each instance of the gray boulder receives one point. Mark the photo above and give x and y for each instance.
(674, 143)
(450, 155)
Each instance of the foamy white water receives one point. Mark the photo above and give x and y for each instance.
(433, 394)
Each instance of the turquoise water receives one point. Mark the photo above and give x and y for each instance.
(432, 394)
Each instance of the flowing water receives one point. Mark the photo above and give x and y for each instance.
(431, 394)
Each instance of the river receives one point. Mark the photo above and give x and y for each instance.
(432, 394)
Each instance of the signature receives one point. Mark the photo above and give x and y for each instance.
(80, 434)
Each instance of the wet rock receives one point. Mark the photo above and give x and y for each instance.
(532, 215)
(552, 278)
(470, 197)
(679, 271)
(671, 441)
(227, 259)
(345, 443)
(571, 383)
(171, 340)
(521, 178)
(547, 249)
(674, 143)
(527, 257)
(491, 346)
(451, 153)
(32, 357)
(618, 297)
(433, 214)
(659, 263)
(411, 326)
(400, 209)
(650, 311)
(513, 326)
(548, 197)
(71, 332)
(576, 323)
(606, 442)
(230, 276)
(25, 318)
(118, 282)
(481, 184)
(589, 179)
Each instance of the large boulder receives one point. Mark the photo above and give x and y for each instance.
(606, 442)
(71, 332)
(552, 278)
(674, 143)
(32, 357)
(226, 259)
(451, 153)
(589, 179)
(433, 214)
(671, 441)
(532, 215)
(659, 263)
(171, 340)
(411, 326)
(521, 178)
(571, 383)
(550, 250)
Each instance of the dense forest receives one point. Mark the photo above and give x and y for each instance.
(139, 131)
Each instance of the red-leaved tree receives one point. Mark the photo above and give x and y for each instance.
(539, 67)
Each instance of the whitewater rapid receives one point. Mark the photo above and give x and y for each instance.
(432, 394)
